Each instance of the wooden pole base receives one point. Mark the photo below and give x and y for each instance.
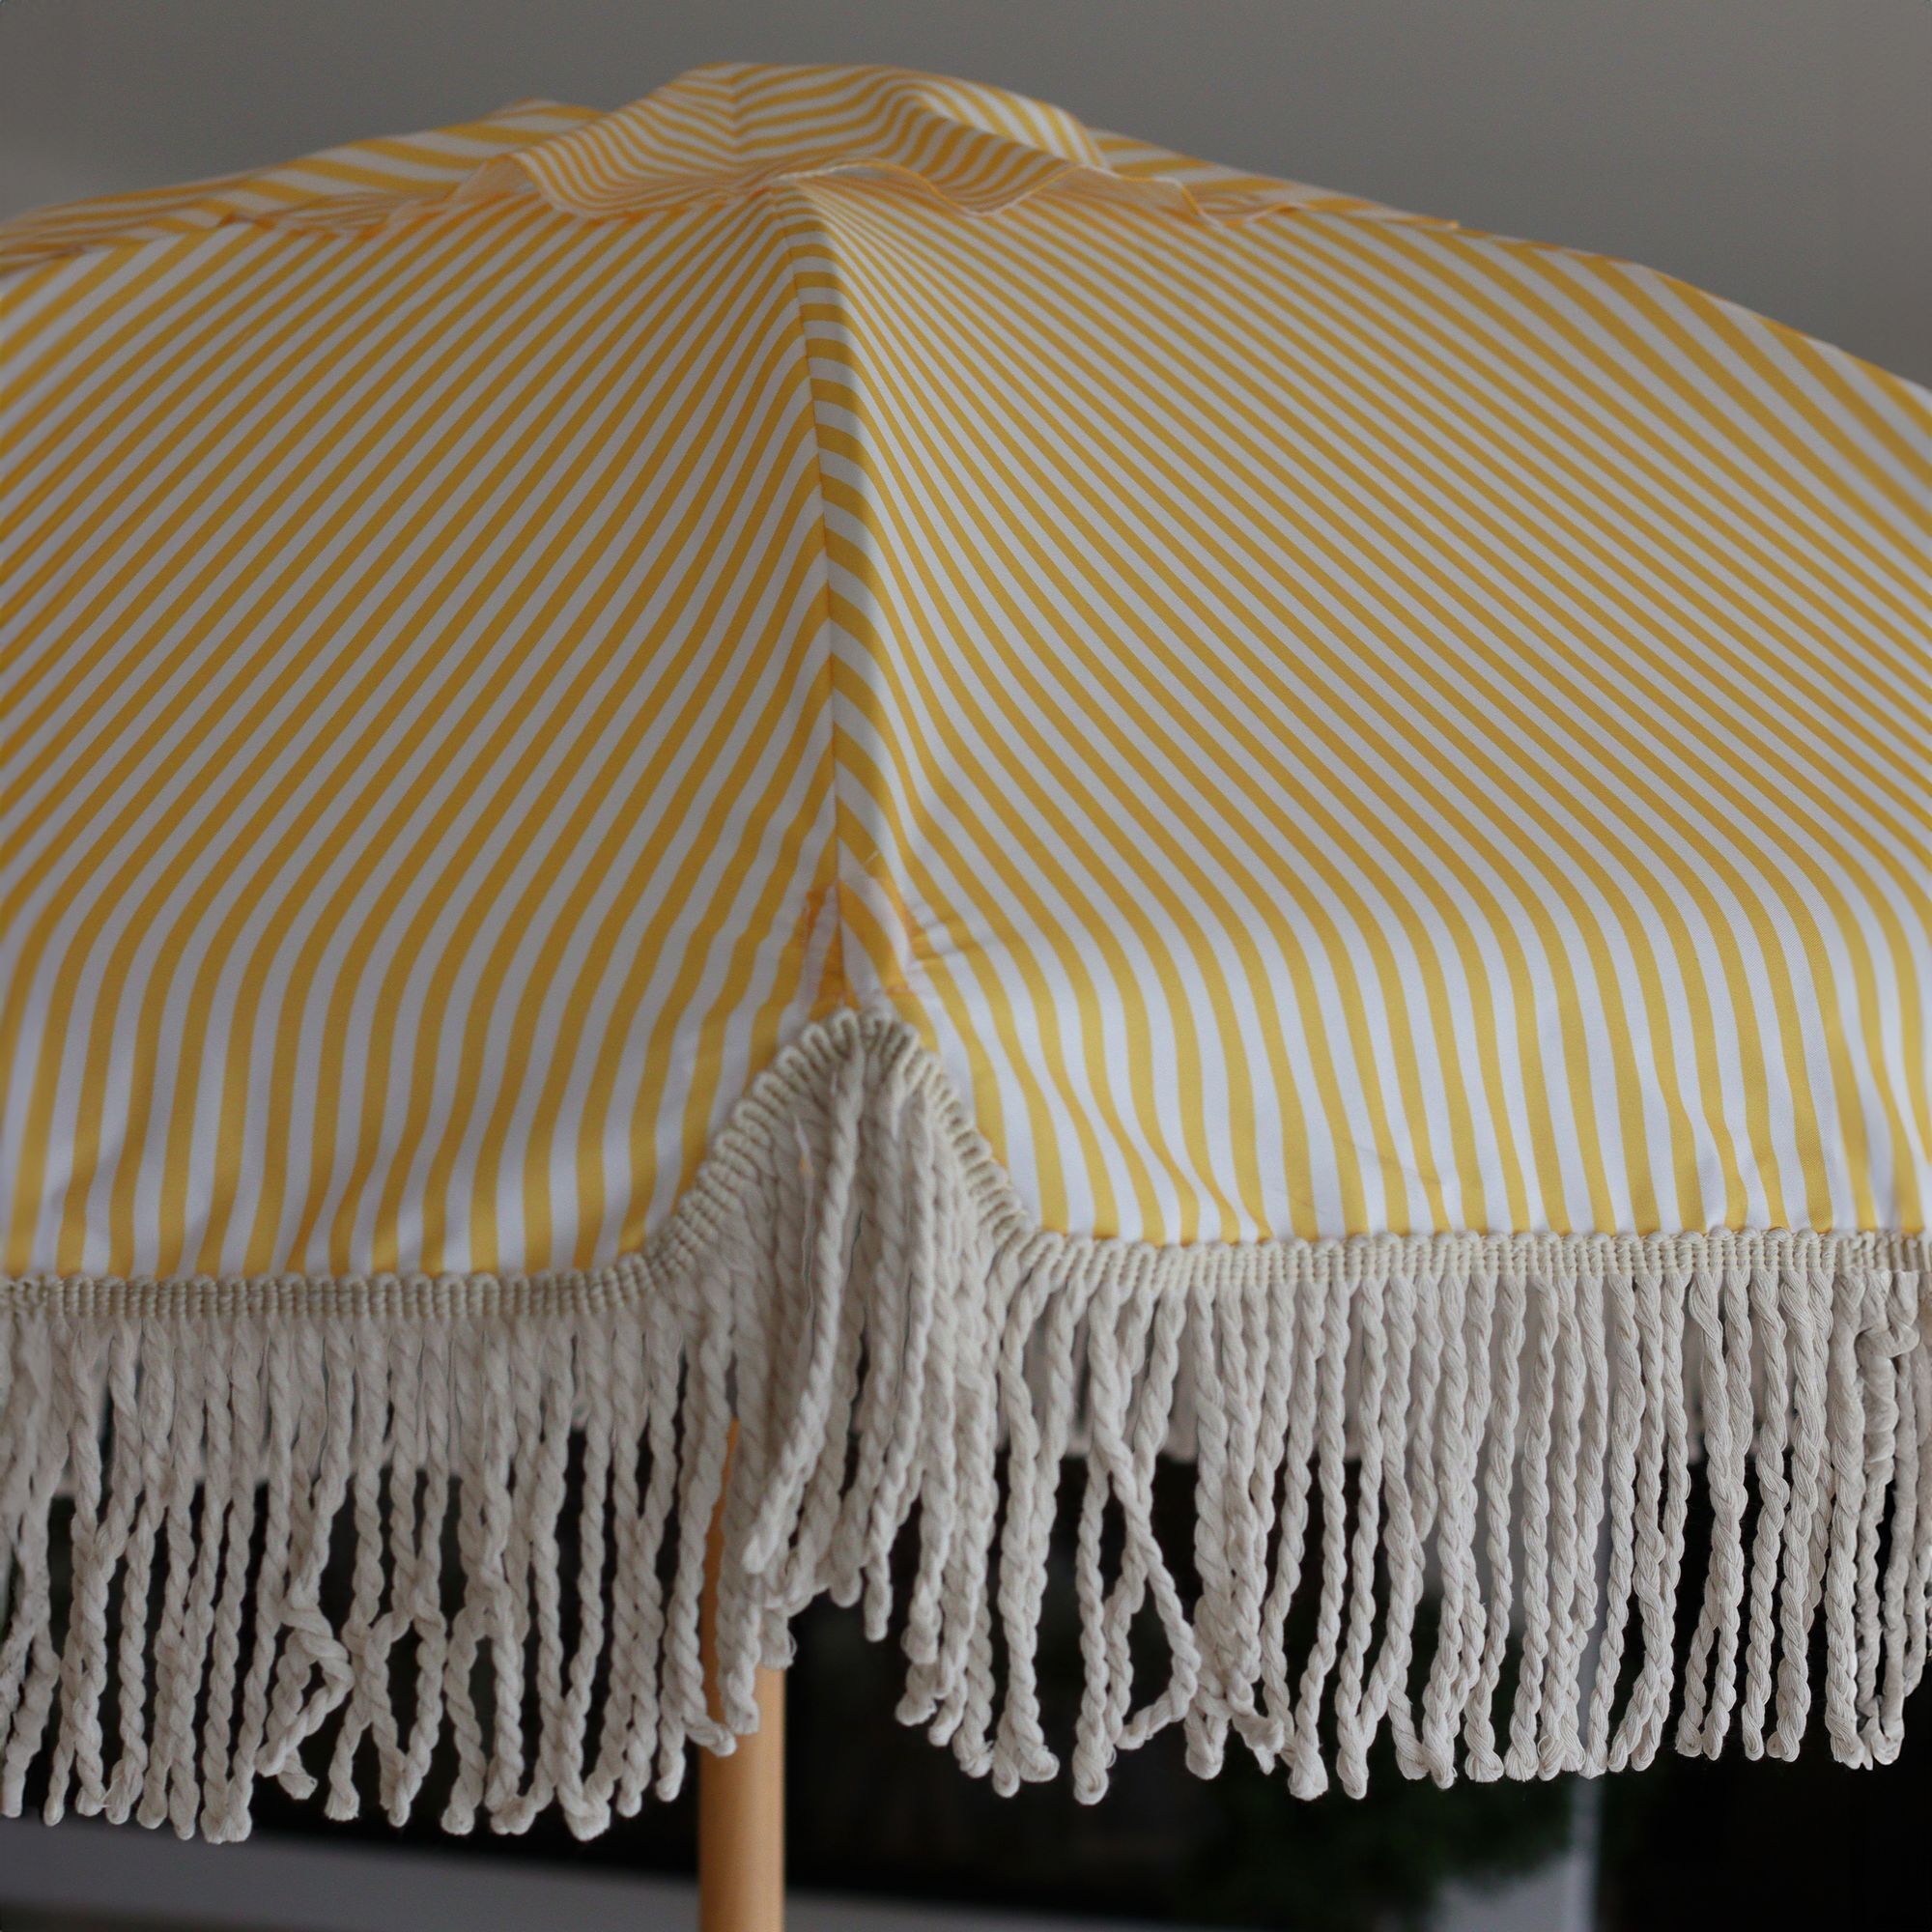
(740, 1798)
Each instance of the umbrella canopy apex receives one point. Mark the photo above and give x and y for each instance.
(733, 127)
(715, 132)
(738, 124)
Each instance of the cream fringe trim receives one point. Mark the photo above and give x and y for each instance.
(1512, 1419)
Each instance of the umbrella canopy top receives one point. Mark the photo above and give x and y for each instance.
(732, 129)
(717, 130)
(1322, 722)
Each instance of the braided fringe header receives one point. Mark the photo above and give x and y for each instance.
(1512, 1422)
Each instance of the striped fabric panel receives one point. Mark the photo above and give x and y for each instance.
(365, 181)
(1366, 728)
(1324, 721)
(417, 777)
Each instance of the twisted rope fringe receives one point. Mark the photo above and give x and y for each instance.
(1514, 1420)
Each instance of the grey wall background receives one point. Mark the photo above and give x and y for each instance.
(1777, 151)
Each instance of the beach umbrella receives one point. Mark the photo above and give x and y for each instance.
(826, 809)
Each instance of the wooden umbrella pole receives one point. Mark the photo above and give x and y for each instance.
(740, 1798)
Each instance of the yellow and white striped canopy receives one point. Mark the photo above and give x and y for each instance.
(832, 753)
(841, 759)
(1324, 721)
